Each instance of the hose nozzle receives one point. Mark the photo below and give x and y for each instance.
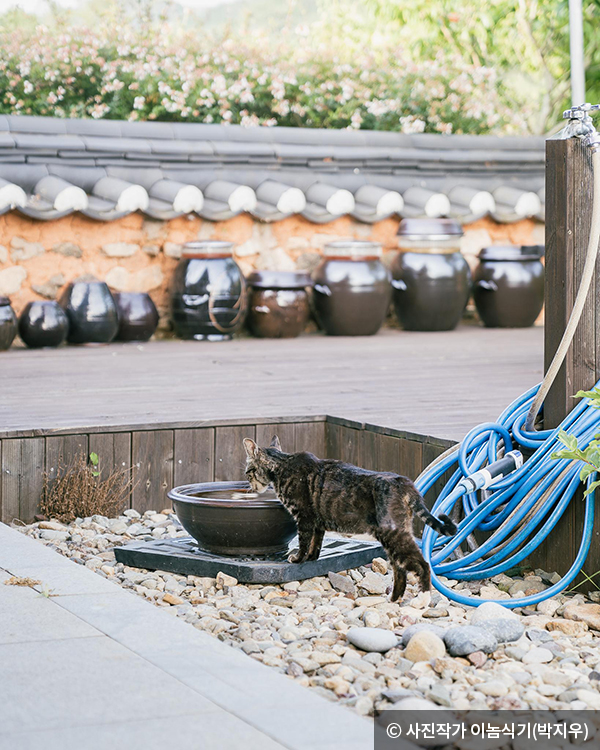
(493, 473)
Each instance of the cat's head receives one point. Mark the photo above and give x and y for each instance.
(260, 463)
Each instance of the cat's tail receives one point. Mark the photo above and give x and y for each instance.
(443, 525)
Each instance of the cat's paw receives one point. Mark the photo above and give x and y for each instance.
(295, 557)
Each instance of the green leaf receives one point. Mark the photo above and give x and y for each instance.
(593, 486)
(564, 454)
(586, 471)
(94, 459)
(594, 394)
(569, 440)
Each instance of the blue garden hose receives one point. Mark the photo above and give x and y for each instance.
(519, 511)
(525, 504)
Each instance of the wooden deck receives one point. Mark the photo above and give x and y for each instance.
(176, 412)
(428, 383)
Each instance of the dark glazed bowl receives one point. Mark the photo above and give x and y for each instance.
(138, 316)
(43, 324)
(225, 525)
(92, 312)
(8, 324)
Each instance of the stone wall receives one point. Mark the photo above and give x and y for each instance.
(37, 259)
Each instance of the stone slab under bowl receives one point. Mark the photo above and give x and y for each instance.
(183, 556)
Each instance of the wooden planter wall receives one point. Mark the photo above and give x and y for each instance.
(162, 456)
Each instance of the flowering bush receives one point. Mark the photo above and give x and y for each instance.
(107, 74)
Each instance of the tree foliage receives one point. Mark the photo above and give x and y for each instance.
(525, 41)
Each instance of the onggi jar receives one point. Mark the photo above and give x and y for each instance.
(352, 289)
(208, 298)
(431, 278)
(509, 285)
(278, 306)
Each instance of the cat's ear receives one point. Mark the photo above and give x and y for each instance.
(275, 443)
(250, 447)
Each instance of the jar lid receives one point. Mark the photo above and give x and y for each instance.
(501, 253)
(353, 249)
(279, 280)
(207, 248)
(429, 229)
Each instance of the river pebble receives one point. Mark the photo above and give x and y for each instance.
(340, 636)
(463, 641)
(372, 639)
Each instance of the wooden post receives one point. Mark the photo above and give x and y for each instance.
(569, 191)
(568, 217)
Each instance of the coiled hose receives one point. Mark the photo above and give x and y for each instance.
(521, 509)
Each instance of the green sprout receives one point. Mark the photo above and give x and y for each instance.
(589, 456)
(94, 460)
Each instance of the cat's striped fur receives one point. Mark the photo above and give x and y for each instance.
(327, 495)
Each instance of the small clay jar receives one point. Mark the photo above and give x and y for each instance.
(92, 312)
(431, 278)
(509, 285)
(208, 296)
(43, 324)
(138, 316)
(8, 324)
(352, 289)
(278, 304)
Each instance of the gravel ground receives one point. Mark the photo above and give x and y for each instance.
(340, 636)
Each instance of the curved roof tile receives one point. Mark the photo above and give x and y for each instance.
(106, 169)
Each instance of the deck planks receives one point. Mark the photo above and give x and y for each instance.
(139, 407)
(428, 383)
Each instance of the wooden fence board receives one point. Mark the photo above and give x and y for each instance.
(22, 478)
(152, 466)
(388, 453)
(411, 458)
(285, 432)
(369, 452)
(11, 472)
(113, 451)
(344, 443)
(114, 455)
(230, 457)
(62, 450)
(310, 436)
(194, 456)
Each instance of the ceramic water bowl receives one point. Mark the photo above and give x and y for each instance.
(227, 518)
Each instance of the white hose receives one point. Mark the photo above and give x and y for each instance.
(582, 293)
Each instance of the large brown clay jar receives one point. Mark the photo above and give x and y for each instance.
(352, 289)
(431, 278)
(509, 286)
(278, 305)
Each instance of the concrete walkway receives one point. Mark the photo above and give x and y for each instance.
(87, 665)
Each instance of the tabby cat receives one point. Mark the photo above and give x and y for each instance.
(327, 495)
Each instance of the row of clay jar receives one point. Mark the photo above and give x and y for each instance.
(350, 291)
